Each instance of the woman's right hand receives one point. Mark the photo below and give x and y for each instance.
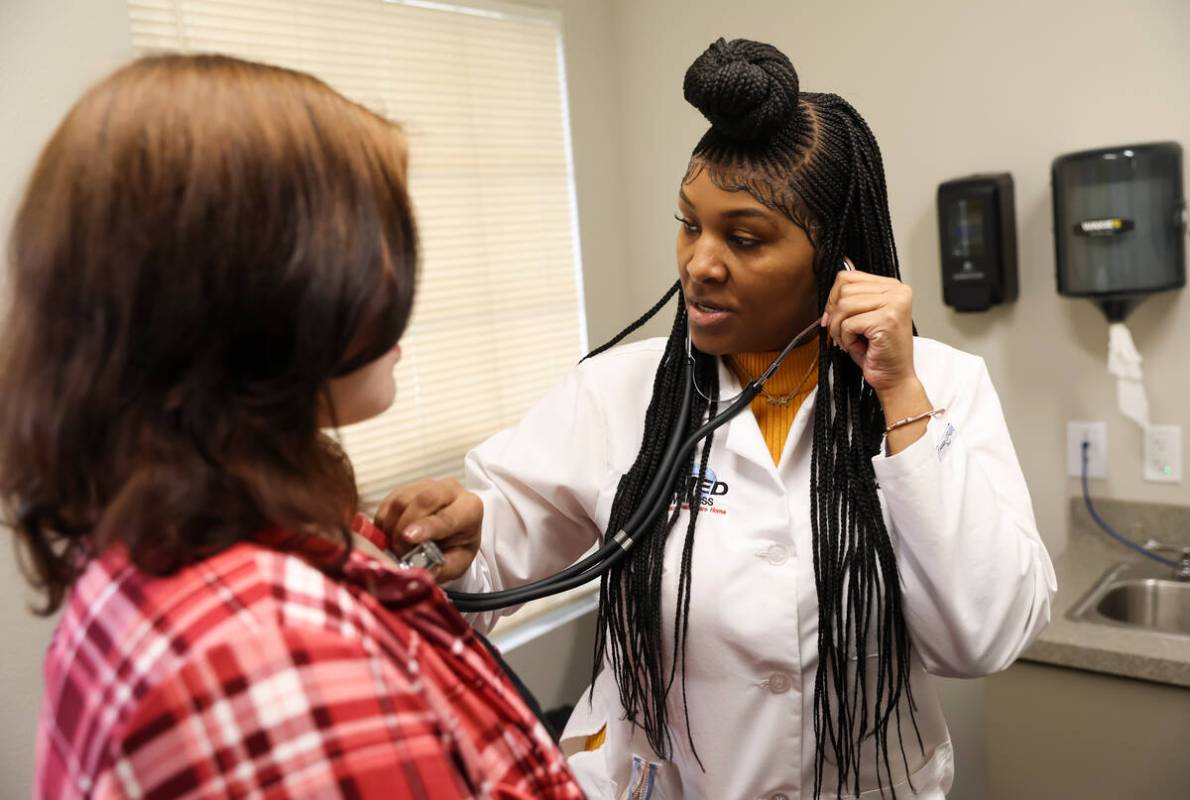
(438, 510)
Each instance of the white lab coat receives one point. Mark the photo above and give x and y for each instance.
(977, 581)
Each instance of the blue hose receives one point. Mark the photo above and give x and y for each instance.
(1108, 528)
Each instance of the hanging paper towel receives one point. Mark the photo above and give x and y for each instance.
(1123, 361)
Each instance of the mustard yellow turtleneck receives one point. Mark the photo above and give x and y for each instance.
(798, 373)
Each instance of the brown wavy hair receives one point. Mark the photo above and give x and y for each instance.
(203, 244)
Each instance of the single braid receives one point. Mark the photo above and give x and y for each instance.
(635, 326)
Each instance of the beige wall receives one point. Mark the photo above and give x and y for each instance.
(50, 50)
(593, 80)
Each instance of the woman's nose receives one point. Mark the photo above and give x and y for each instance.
(706, 262)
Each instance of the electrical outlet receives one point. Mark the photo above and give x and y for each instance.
(1096, 434)
(1163, 453)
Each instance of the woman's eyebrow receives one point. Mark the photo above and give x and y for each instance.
(736, 213)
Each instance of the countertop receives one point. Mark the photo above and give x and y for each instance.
(1132, 653)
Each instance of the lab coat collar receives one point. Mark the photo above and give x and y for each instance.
(802, 422)
(744, 438)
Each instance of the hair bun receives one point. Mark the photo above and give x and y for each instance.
(747, 90)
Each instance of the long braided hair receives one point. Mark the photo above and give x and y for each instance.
(814, 159)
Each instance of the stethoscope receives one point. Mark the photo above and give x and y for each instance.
(656, 497)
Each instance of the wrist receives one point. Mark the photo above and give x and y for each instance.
(904, 399)
(902, 403)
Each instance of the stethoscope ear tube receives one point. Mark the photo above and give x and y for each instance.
(612, 550)
(655, 500)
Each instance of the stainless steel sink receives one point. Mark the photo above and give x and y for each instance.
(1138, 596)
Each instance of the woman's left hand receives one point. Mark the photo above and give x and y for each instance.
(871, 317)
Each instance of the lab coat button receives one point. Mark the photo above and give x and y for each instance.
(777, 554)
(779, 683)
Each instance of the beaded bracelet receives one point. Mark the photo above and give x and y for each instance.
(910, 420)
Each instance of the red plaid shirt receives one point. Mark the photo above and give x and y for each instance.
(253, 672)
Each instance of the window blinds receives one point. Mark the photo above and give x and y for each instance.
(480, 92)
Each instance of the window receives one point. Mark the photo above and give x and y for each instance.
(481, 94)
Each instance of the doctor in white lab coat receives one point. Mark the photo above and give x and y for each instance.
(975, 579)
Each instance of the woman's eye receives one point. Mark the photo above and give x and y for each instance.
(743, 241)
(687, 225)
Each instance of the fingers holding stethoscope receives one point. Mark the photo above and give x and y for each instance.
(441, 511)
(871, 318)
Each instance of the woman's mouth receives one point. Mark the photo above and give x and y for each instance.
(706, 315)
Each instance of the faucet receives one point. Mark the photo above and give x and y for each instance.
(1182, 570)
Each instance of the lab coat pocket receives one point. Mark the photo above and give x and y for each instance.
(871, 771)
(643, 782)
(583, 743)
(640, 778)
(611, 758)
(590, 770)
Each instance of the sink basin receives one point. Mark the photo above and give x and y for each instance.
(1138, 596)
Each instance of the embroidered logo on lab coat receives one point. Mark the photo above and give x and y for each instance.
(947, 438)
(711, 492)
